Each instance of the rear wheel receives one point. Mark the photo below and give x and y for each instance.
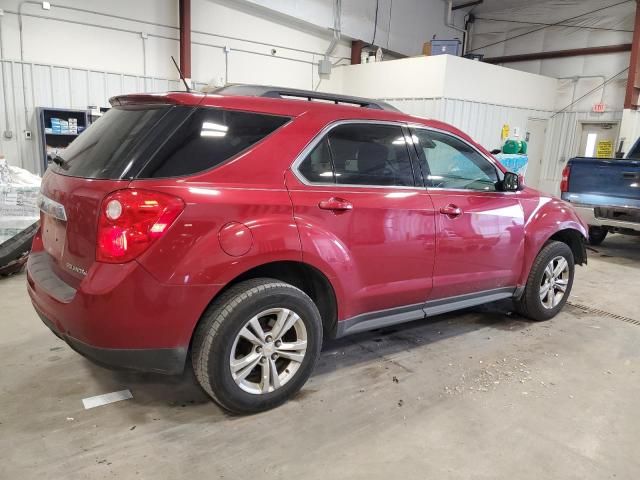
(257, 345)
(597, 235)
(549, 283)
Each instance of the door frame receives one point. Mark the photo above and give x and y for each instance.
(544, 145)
(582, 123)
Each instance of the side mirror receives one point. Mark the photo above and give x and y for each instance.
(511, 182)
(496, 151)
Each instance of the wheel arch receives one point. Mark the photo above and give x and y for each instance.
(575, 240)
(569, 233)
(301, 275)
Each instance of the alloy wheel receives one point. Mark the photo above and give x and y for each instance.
(555, 280)
(268, 350)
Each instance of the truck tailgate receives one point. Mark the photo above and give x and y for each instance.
(609, 182)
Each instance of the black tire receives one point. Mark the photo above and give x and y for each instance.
(220, 324)
(530, 305)
(597, 235)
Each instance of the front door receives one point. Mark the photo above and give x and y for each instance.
(480, 231)
(363, 219)
(536, 134)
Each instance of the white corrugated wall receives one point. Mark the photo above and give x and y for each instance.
(59, 87)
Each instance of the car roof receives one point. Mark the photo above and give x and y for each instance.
(298, 94)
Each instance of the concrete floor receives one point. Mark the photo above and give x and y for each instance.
(476, 395)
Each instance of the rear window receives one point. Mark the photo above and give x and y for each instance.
(634, 153)
(162, 141)
(106, 148)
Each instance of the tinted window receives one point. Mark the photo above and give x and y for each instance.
(209, 137)
(369, 154)
(317, 166)
(124, 142)
(634, 153)
(452, 163)
(105, 149)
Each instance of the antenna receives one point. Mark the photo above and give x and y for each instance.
(186, 85)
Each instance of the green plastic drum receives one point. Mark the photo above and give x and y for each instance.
(523, 147)
(511, 147)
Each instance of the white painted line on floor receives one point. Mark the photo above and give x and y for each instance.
(105, 399)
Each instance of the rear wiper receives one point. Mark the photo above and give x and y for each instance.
(58, 160)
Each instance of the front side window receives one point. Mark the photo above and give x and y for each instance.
(360, 154)
(452, 163)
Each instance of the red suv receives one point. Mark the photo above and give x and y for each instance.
(242, 226)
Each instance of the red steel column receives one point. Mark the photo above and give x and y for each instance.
(356, 50)
(632, 97)
(185, 38)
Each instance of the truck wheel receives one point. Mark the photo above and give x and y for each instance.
(549, 283)
(597, 235)
(256, 345)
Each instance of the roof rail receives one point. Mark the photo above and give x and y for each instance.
(294, 93)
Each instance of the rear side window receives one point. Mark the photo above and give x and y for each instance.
(207, 138)
(147, 141)
(360, 154)
(634, 153)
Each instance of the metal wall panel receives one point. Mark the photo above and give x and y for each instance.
(31, 85)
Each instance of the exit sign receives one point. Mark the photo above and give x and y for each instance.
(599, 107)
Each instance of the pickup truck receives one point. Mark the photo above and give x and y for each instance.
(605, 192)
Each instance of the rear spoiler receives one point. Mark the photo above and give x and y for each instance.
(170, 98)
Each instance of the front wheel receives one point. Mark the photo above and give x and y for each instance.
(597, 235)
(549, 283)
(257, 345)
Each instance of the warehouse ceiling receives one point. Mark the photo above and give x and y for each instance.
(499, 5)
(493, 6)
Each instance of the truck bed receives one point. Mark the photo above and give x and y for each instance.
(606, 192)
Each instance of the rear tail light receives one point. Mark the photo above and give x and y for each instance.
(131, 220)
(564, 183)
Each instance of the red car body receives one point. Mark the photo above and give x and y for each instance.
(385, 249)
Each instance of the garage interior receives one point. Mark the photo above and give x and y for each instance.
(481, 393)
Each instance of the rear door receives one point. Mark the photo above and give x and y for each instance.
(480, 231)
(362, 216)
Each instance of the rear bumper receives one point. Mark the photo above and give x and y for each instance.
(168, 361)
(587, 214)
(119, 315)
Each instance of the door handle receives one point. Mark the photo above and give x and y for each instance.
(451, 210)
(335, 204)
